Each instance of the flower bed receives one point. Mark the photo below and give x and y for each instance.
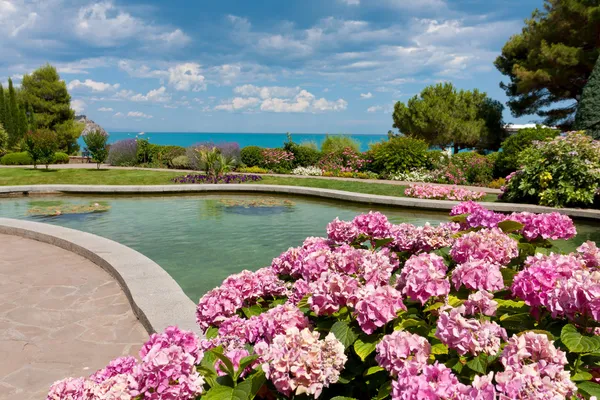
(308, 171)
(478, 308)
(201, 179)
(442, 193)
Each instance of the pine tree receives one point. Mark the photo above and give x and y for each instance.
(588, 110)
(30, 118)
(12, 125)
(2, 107)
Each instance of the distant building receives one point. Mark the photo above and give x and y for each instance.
(514, 128)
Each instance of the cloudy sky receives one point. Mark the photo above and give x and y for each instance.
(257, 66)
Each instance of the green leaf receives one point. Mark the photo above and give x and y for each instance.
(508, 276)
(382, 242)
(578, 343)
(581, 376)
(589, 389)
(246, 390)
(510, 303)
(434, 306)
(244, 362)
(365, 345)
(218, 393)
(439, 348)
(211, 332)
(304, 302)
(459, 218)
(252, 311)
(344, 333)
(384, 391)
(373, 370)
(479, 364)
(407, 323)
(226, 362)
(509, 226)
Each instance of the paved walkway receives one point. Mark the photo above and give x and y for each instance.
(187, 171)
(60, 316)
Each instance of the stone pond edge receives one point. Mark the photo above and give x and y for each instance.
(155, 298)
(440, 205)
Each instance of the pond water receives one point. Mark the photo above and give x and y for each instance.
(201, 239)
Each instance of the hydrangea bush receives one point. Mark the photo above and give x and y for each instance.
(438, 192)
(479, 308)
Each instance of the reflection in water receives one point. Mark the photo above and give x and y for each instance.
(201, 239)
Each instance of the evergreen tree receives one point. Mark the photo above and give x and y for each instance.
(2, 107)
(588, 110)
(30, 118)
(22, 125)
(11, 118)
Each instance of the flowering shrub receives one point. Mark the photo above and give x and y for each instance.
(468, 168)
(196, 179)
(442, 193)
(308, 171)
(278, 160)
(347, 160)
(562, 172)
(418, 175)
(477, 308)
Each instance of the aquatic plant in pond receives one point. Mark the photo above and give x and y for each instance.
(54, 209)
(202, 179)
(478, 308)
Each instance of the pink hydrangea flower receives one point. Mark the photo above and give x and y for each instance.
(280, 319)
(547, 226)
(478, 275)
(373, 224)
(400, 348)
(590, 253)
(299, 290)
(429, 238)
(435, 382)
(579, 294)
(330, 292)
(375, 307)
(298, 362)
(118, 366)
(376, 267)
(68, 389)
(253, 285)
(467, 207)
(218, 305)
(481, 302)
(468, 335)
(118, 387)
(423, 277)
(342, 231)
(404, 236)
(490, 245)
(439, 192)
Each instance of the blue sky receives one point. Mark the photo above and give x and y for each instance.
(257, 66)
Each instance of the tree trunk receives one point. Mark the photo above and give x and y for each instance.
(456, 148)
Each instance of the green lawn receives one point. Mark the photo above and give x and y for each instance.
(21, 176)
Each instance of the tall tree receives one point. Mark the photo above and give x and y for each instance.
(30, 118)
(22, 123)
(588, 112)
(12, 126)
(550, 61)
(2, 107)
(48, 96)
(441, 115)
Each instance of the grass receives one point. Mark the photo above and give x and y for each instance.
(22, 176)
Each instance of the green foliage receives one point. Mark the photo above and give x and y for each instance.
(337, 144)
(509, 158)
(470, 168)
(214, 162)
(253, 170)
(41, 146)
(67, 133)
(252, 156)
(48, 96)
(180, 162)
(166, 154)
(564, 172)
(398, 154)
(437, 159)
(3, 140)
(96, 144)
(22, 158)
(588, 109)
(12, 117)
(2, 107)
(550, 61)
(304, 156)
(61, 158)
(442, 116)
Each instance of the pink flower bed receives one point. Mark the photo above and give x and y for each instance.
(437, 192)
(481, 308)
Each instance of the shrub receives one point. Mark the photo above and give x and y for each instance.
(304, 156)
(3, 140)
(96, 145)
(180, 162)
(308, 171)
(348, 160)
(438, 192)
(349, 174)
(338, 143)
(253, 170)
(437, 159)
(166, 155)
(469, 168)
(278, 160)
(418, 175)
(252, 156)
(213, 161)
(22, 158)
(563, 172)
(61, 158)
(497, 183)
(378, 310)
(123, 153)
(229, 150)
(398, 154)
(41, 146)
(509, 159)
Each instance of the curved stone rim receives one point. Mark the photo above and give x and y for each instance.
(442, 205)
(155, 298)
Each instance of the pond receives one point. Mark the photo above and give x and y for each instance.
(201, 239)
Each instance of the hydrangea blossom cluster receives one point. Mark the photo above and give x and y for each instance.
(438, 192)
(490, 245)
(299, 362)
(481, 302)
(478, 275)
(375, 307)
(590, 254)
(167, 370)
(423, 277)
(401, 350)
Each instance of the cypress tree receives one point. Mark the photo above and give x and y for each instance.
(588, 109)
(2, 107)
(12, 125)
(22, 125)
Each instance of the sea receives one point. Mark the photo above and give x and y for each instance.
(271, 140)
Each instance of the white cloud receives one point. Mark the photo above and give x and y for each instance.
(78, 106)
(93, 85)
(28, 23)
(265, 92)
(105, 109)
(186, 77)
(351, 2)
(374, 109)
(155, 96)
(138, 114)
(302, 102)
(385, 109)
(118, 114)
(366, 95)
(238, 103)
